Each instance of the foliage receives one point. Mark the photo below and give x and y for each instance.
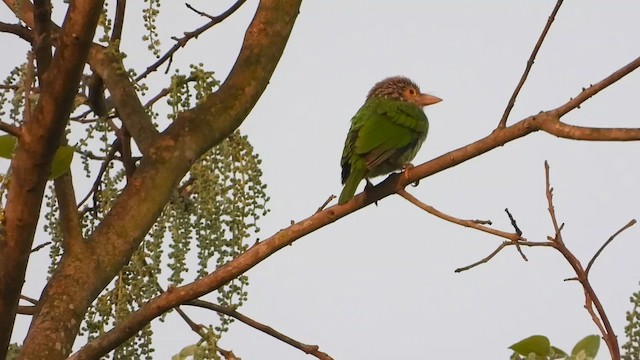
(632, 330)
(538, 347)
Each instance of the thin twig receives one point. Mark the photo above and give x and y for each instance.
(595, 256)
(518, 231)
(324, 205)
(485, 259)
(103, 168)
(552, 212)
(534, 53)
(29, 299)
(499, 248)
(40, 246)
(466, 223)
(188, 36)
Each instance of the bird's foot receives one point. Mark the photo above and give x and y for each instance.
(407, 167)
(368, 188)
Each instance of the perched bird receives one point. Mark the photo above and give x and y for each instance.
(386, 133)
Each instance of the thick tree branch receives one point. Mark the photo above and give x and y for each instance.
(23, 32)
(167, 160)
(110, 70)
(534, 53)
(30, 166)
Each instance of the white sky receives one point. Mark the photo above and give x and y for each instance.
(379, 283)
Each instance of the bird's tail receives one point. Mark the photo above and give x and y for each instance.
(351, 185)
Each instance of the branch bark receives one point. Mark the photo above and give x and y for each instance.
(39, 138)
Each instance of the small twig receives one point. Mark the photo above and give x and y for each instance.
(201, 13)
(40, 246)
(485, 259)
(513, 222)
(534, 53)
(103, 169)
(552, 212)
(595, 256)
(324, 205)
(466, 223)
(518, 231)
(29, 299)
(188, 36)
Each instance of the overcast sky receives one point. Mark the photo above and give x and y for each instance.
(380, 283)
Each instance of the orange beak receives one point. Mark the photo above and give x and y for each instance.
(426, 99)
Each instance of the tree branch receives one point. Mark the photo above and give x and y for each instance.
(188, 36)
(534, 53)
(466, 223)
(10, 129)
(595, 256)
(287, 236)
(31, 163)
(591, 298)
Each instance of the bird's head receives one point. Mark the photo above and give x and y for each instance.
(402, 88)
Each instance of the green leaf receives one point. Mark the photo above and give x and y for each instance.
(536, 344)
(7, 144)
(589, 345)
(557, 353)
(61, 161)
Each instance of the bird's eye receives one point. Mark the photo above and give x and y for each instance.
(412, 91)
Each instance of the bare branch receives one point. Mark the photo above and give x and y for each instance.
(188, 36)
(591, 298)
(595, 256)
(534, 53)
(596, 88)
(308, 349)
(17, 29)
(466, 223)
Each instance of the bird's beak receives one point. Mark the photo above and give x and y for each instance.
(426, 99)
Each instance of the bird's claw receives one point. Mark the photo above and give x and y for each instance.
(368, 187)
(406, 168)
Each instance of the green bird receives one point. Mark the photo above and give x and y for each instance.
(385, 134)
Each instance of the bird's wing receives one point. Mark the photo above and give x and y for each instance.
(388, 127)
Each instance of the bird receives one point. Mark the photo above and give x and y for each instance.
(385, 134)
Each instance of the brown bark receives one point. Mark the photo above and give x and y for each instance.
(39, 138)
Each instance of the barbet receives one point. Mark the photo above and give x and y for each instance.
(386, 133)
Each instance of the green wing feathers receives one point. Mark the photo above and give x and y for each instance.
(385, 134)
(351, 184)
